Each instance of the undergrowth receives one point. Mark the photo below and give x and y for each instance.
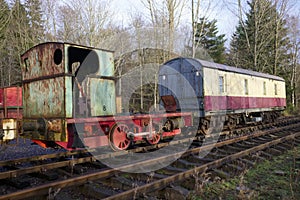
(278, 178)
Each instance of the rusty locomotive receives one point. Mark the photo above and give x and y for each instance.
(69, 100)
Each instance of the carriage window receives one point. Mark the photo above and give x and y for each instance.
(276, 89)
(221, 84)
(265, 88)
(246, 86)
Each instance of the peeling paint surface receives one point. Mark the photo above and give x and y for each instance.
(102, 97)
(44, 98)
(43, 60)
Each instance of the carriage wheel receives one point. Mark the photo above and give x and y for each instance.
(205, 126)
(231, 123)
(267, 118)
(118, 137)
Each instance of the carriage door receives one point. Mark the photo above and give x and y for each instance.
(223, 103)
(192, 75)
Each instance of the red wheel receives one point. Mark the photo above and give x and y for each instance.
(118, 137)
(154, 139)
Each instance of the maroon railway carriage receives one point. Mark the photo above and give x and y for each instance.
(10, 112)
(242, 96)
(69, 100)
(11, 102)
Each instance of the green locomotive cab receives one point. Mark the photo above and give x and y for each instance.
(65, 81)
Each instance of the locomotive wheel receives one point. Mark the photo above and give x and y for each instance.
(118, 137)
(154, 139)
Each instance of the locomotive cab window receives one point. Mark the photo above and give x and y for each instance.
(27, 64)
(246, 86)
(58, 56)
(87, 60)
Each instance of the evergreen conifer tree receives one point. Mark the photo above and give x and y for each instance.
(36, 22)
(207, 38)
(259, 42)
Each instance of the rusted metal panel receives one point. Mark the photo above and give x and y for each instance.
(44, 98)
(45, 129)
(102, 95)
(106, 63)
(44, 81)
(68, 97)
(43, 60)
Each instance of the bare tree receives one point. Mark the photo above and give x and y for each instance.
(294, 32)
(68, 27)
(165, 17)
(49, 8)
(199, 9)
(79, 21)
(151, 41)
(262, 27)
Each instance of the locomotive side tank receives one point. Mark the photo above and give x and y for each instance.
(243, 96)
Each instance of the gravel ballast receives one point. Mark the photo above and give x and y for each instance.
(22, 148)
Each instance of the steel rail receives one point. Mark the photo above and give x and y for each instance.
(44, 189)
(72, 162)
(158, 184)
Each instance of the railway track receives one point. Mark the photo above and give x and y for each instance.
(120, 183)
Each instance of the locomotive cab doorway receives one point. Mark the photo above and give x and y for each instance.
(92, 82)
(82, 64)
